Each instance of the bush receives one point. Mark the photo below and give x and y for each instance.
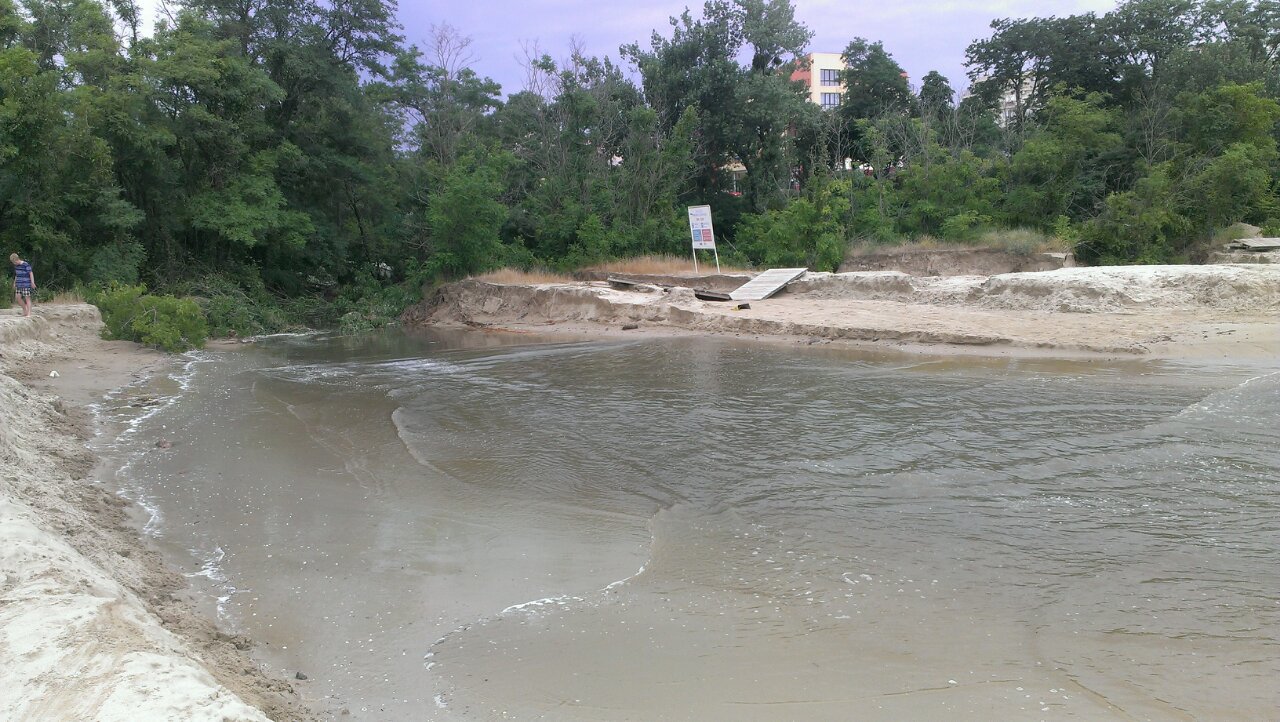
(368, 303)
(963, 226)
(1138, 226)
(236, 303)
(799, 235)
(165, 322)
(807, 232)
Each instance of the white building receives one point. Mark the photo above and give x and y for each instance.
(824, 78)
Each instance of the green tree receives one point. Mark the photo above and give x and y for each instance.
(874, 82)
(1026, 59)
(743, 112)
(936, 96)
(1066, 168)
(465, 214)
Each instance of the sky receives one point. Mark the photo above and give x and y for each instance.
(922, 35)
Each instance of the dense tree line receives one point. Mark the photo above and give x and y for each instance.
(301, 149)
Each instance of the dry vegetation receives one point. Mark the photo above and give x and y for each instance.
(1018, 241)
(641, 265)
(66, 297)
(923, 243)
(517, 277)
(663, 266)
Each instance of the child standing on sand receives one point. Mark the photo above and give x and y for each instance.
(24, 282)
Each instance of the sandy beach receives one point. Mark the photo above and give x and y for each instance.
(93, 625)
(1204, 312)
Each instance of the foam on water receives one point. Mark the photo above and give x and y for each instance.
(212, 571)
(117, 421)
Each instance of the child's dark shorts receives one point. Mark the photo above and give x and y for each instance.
(24, 292)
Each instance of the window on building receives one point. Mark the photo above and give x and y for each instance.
(830, 100)
(830, 77)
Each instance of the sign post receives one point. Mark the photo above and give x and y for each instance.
(704, 236)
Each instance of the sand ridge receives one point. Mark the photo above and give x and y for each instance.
(92, 623)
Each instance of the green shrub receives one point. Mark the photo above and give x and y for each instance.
(807, 232)
(1140, 226)
(368, 304)
(166, 322)
(963, 226)
(236, 304)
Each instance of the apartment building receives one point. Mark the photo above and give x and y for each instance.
(823, 78)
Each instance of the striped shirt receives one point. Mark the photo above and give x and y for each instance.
(22, 275)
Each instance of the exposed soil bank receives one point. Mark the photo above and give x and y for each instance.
(92, 623)
(1165, 311)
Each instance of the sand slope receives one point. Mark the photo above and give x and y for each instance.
(90, 627)
(1177, 311)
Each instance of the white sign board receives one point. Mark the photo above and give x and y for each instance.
(704, 237)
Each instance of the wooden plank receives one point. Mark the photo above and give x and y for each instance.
(707, 295)
(626, 282)
(766, 284)
(1258, 244)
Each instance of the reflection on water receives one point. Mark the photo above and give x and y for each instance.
(469, 525)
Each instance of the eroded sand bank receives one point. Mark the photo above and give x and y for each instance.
(92, 624)
(1223, 311)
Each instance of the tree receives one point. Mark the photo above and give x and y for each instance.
(1024, 60)
(1148, 32)
(58, 194)
(465, 213)
(1065, 168)
(444, 99)
(874, 82)
(743, 112)
(936, 95)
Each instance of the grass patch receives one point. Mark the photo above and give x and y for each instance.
(1235, 232)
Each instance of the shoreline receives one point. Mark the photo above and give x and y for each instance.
(93, 622)
(1215, 314)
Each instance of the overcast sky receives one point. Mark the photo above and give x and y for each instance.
(922, 35)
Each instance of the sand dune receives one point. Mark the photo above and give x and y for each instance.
(90, 623)
(1222, 311)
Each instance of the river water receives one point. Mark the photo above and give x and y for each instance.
(470, 525)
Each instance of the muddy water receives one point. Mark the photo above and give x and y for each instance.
(471, 526)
